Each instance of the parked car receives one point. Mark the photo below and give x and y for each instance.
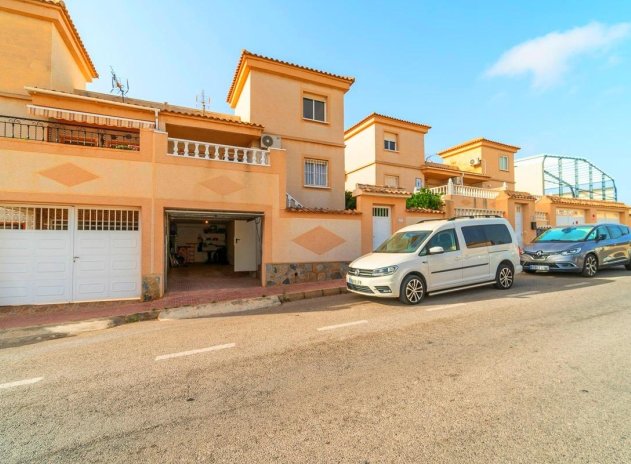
(438, 256)
(580, 248)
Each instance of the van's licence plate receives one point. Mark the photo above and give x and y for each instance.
(539, 267)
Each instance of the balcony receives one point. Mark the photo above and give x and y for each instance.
(69, 134)
(465, 191)
(478, 212)
(216, 152)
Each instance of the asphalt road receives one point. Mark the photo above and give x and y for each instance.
(538, 374)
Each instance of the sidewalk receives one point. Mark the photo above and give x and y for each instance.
(19, 317)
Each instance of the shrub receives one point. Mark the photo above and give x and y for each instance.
(424, 199)
(351, 201)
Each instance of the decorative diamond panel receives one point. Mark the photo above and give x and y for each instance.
(319, 240)
(69, 174)
(222, 185)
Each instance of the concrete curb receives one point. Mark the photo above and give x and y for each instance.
(219, 308)
(29, 335)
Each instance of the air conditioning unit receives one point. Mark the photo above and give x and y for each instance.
(475, 161)
(270, 141)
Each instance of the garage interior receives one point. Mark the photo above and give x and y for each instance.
(212, 250)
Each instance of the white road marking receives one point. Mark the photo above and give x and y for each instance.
(19, 383)
(339, 326)
(523, 294)
(576, 285)
(438, 308)
(201, 350)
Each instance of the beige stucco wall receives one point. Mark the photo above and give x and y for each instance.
(410, 150)
(360, 149)
(275, 101)
(529, 176)
(367, 175)
(65, 73)
(25, 52)
(407, 176)
(490, 165)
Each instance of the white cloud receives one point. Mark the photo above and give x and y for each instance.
(549, 57)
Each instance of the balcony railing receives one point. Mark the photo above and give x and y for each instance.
(478, 212)
(217, 152)
(70, 134)
(291, 202)
(465, 191)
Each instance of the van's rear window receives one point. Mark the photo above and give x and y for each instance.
(486, 235)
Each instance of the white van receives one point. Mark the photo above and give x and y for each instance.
(437, 256)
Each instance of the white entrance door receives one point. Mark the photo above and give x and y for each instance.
(245, 245)
(607, 216)
(35, 255)
(381, 225)
(519, 225)
(106, 254)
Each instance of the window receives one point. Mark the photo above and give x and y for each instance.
(316, 173)
(390, 142)
(403, 242)
(445, 239)
(391, 181)
(503, 163)
(314, 109)
(615, 232)
(488, 235)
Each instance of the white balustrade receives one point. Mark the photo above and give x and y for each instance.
(292, 202)
(465, 191)
(217, 152)
(478, 212)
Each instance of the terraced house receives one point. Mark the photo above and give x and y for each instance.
(109, 198)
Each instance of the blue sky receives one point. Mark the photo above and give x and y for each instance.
(550, 77)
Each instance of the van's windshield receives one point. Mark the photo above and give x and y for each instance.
(403, 242)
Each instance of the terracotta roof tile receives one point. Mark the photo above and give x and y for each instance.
(519, 195)
(477, 140)
(346, 212)
(373, 115)
(425, 210)
(246, 53)
(383, 189)
(64, 9)
(584, 202)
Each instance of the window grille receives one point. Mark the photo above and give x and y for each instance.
(316, 173)
(33, 218)
(380, 212)
(107, 219)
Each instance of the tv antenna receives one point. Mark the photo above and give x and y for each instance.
(203, 101)
(118, 86)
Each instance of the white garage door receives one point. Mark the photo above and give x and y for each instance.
(569, 217)
(607, 216)
(65, 254)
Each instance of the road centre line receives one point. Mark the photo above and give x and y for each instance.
(19, 383)
(524, 293)
(576, 284)
(339, 326)
(201, 350)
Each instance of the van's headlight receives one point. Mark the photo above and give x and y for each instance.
(384, 271)
(571, 251)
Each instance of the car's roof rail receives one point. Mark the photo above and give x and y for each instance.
(429, 220)
(475, 217)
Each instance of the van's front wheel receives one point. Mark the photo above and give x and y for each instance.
(504, 277)
(412, 290)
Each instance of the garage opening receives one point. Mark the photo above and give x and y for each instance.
(208, 250)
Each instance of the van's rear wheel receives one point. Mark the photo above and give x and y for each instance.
(504, 277)
(412, 290)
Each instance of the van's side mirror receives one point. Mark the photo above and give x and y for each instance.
(437, 250)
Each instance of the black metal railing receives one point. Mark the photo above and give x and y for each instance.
(70, 134)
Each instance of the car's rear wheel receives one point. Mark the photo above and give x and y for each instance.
(590, 267)
(412, 290)
(504, 277)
